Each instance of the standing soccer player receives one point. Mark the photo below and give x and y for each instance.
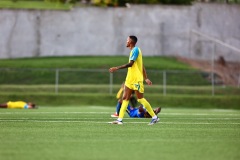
(134, 81)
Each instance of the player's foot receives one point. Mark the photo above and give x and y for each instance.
(153, 121)
(157, 110)
(117, 122)
(115, 115)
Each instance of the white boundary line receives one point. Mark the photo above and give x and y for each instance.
(180, 123)
(174, 114)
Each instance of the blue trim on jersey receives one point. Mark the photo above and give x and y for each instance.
(135, 53)
(26, 106)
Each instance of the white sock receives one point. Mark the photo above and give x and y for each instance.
(119, 119)
(154, 117)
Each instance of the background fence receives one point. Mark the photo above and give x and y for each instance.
(90, 81)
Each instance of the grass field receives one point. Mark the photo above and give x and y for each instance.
(39, 5)
(92, 62)
(85, 80)
(60, 133)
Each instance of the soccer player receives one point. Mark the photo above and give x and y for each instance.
(134, 80)
(18, 105)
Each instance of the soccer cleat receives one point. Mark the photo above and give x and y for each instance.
(153, 121)
(117, 122)
(115, 115)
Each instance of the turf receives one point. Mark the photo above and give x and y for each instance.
(78, 70)
(89, 62)
(28, 4)
(83, 133)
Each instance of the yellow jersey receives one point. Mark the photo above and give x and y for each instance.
(135, 73)
(17, 105)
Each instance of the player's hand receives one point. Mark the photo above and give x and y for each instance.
(148, 82)
(113, 69)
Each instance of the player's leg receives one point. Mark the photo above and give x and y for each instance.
(126, 96)
(157, 110)
(118, 106)
(149, 109)
(145, 103)
(3, 105)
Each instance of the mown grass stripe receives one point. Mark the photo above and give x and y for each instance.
(174, 114)
(174, 123)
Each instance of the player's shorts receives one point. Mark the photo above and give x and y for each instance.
(136, 86)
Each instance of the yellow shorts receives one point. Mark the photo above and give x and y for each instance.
(136, 86)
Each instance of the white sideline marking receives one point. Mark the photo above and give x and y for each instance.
(52, 121)
(174, 114)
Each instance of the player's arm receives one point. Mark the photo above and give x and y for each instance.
(145, 77)
(140, 109)
(113, 69)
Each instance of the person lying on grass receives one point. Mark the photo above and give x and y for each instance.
(139, 112)
(18, 105)
(133, 112)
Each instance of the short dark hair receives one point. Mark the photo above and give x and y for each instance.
(33, 105)
(133, 38)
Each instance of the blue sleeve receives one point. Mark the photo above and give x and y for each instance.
(26, 106)
(141, 115)
(135, 53)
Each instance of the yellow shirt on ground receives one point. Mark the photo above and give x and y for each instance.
(17, 105)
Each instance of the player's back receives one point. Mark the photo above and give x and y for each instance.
(17, 104)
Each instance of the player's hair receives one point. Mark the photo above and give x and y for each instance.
(133, 38)
(33, 105)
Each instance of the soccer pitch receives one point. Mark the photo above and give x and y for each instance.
(60, 133)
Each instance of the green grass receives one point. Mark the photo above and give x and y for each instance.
(106, 88)
(43, 70)
(92, 62)
(83, 133)
(40, 5)
(79, 85)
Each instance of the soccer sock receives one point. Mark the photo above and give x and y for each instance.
(118, 107)
(123, 109)
(145, 103)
